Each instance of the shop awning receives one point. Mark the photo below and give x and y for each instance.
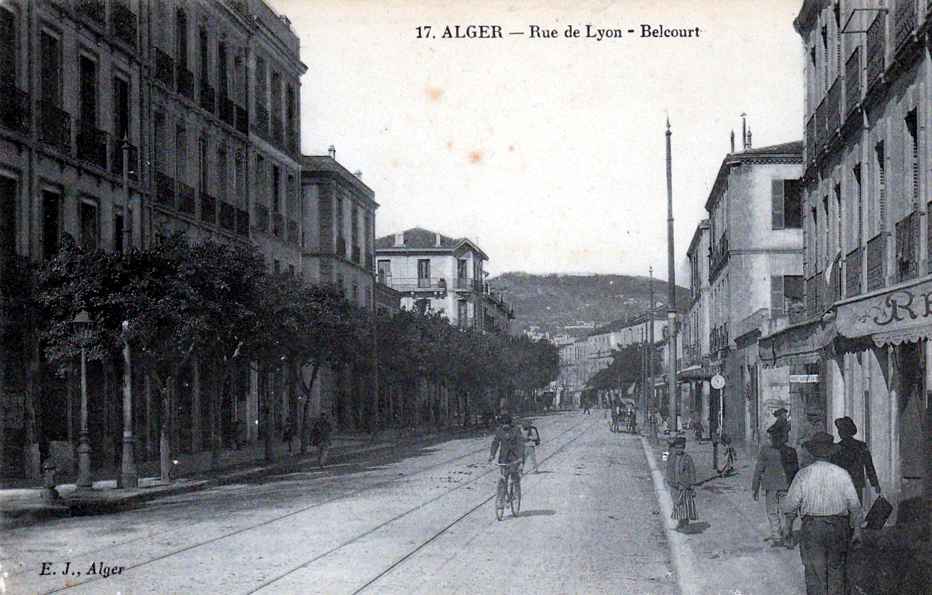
(902, 315)
(695, 373)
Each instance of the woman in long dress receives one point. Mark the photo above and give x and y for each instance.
(681, 475)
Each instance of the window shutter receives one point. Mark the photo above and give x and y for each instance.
(776, 295)
(776, 192)
(7, 48)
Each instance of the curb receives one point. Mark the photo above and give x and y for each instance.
(31, 514)
(684, 561)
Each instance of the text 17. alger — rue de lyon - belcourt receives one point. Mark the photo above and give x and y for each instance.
(598, 33)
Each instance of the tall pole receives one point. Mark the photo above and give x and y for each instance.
(671, 286)
(650, 358)
(643, 376)
(128, 474)
(127, 224)
(84, 441)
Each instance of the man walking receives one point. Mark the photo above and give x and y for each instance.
(824, 496)
(776, 467)
(531, 442)
(853, 456)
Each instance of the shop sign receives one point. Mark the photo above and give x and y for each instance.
(804, 378)
(718, 382)
(903, 314)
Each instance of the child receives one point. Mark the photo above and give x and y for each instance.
(730, 457)
(681, 475)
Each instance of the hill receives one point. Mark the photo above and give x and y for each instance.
(573, 304)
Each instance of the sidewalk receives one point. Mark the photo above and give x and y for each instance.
(26, 505)
(724, 551)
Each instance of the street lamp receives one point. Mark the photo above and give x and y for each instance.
(128, 475)
(83, 331)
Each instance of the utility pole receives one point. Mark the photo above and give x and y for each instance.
(671, 286)
(650, 359)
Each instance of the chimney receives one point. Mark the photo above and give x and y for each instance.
(749, 137)
(332, 151)
(358, 173)
(732, 141)
(437, 240)
(744, 131)
(399, 239)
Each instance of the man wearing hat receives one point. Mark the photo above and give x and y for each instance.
(681, 475)
(824, 496)
(854, 457)
(782, 424)
(775, 469)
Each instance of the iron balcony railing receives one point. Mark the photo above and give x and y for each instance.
(242, 119)
(208, 208)
(907, 247)
(185, 81)
(227, 111)
(876, 48)
(854, 266)
(262, 121)
(92, 10)
(186, 202)
(55, 127)
(262, 217)
(14, 109)
(278, 225)
(242, 222)
(227, 216)
(876, 268)
(123, 22)
(433, 284)
(833, 110)
(164, 69)
(164, 189)
(92, 144)
(116, 159)
(294, 234)
(905, 20)
(853, 81)
(208, 96)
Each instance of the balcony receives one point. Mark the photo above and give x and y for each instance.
(833, 110)
(186, 203)
(262, 121)
(907, 247)
(278, 131)
(854, 265)
(464, 284)
(14, 109)
(853, 81)
(341, 247)
(208, 208)
(876, 257)
(278, 225)
(294, 233)
(357, 255)
(227, 111)
(164, 189)
(242, 120)
(123, 22)
(208, 97)
(185, 81)
(92, 10)
(116, 159)
(242, 222)
(905, 20)
(814, 297)
(418, 284)
(876, 48)
(92, 144)
(164, 69)
(262, 218)
(811, 139)
(718, 338)
(718, 254)
(55, 127)
(227, 217)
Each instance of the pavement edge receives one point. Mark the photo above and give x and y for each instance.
(684, 561)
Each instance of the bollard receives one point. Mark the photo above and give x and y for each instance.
(48, 482)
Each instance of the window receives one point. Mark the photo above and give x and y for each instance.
(859, 210)
(276, 189)
(277, 266)
(222, 174)
(385, 272)
(181, 38)
(340, 285)
(239, 177)
(202, 163)
(89, 225)
(51, 223)
(355, 292)
(50, 48)
(88, 74)
(260, 176)
(881, 219)
(461, 270)
(354, 227)
(815, 239)
(260, 81)
(462, 313)
(202, 55)
(7, 217)
(276, 95)
(222, 69)
(120, 108)
(423, 268)
(786, 294)
(291, 270)
(787, 204)
(837, 246)
(181, 153)
(913, 157)
(826, 236)
(7, 47)
(340, 226)
(118, 229)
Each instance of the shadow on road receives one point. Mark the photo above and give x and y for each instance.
(694, 528)
(542, 512)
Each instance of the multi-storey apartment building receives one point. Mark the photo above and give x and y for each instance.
(694, 332)
(755, 263)
(438, 273)
(198, 101)
(861, 347)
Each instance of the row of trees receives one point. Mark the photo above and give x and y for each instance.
(176, 303)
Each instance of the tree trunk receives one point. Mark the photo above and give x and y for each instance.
(216, 402)
(305, 430)
(164, 436)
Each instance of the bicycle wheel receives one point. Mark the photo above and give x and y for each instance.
(515, 496)
(500, 501)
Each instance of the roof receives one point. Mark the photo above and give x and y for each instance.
(327, 166)
(418, 239)
(697, 235)
(788, 153)
(617, 325)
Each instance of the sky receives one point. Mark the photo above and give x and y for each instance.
(548, 153)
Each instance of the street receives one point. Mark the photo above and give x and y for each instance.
(419, 522)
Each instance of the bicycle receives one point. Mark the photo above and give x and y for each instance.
(509, 489)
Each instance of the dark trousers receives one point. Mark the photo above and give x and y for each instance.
(823, 547)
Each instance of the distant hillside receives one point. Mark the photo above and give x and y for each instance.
(553, 302)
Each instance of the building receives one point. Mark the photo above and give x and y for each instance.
(861, 346)
(437, 273)
(755, 267)
(694, 368)
(199, 101)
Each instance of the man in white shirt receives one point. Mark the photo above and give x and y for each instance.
(823, 495)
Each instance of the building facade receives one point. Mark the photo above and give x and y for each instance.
(694, 369)
(437, 273)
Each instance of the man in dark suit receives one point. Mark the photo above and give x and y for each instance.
(853, 456)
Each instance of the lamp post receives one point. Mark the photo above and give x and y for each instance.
(83, 327)
(128, 475)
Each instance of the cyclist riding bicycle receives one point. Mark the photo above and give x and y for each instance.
(509, 442)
